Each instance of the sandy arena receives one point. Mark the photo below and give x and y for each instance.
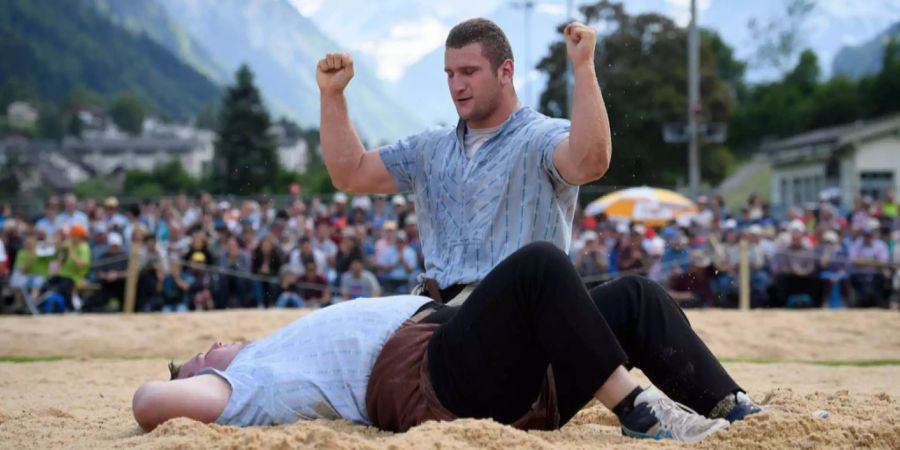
(67, 382)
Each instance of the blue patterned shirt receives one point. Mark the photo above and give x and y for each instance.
(473, 213)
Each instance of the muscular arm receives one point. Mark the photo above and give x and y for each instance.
(201, 398)
(585, 156)
(351, 167)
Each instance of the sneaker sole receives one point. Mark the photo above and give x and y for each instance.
(720, 425)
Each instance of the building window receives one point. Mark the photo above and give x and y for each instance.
(875, 184)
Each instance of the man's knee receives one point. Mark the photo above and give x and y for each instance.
(645, 289)
(543, 250)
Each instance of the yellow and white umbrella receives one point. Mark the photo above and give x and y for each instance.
(650, 206)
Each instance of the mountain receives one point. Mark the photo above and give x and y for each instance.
(282, 48)
(147, 16)
(865, 59)
(56, 46)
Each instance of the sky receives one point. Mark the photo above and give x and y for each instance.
(394, 34)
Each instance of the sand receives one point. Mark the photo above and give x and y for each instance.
(67, 382)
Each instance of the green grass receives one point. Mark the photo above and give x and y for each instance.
(18, 359)
(824, 362)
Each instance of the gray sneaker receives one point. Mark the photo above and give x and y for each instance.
(656, 416)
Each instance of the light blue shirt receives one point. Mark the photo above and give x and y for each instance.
(473, 213)
(317, 367)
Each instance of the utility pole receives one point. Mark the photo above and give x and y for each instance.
(527, 6)
(693, 111)
(569, 75)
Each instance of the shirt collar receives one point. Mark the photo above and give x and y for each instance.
(461, 125)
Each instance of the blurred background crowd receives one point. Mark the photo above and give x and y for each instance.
(198, 253)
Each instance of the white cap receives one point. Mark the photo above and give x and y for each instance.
(656, 247)
(340, 197)
(114, 239)
(362, 202)
(399, 200)
(830, 236)
(621, 228)
(754, 229)
(640, 229)
(589, 235)
(729, 224)
(796, 225)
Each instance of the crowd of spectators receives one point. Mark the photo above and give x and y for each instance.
(202, 253)
(205, 253)
(818, 256)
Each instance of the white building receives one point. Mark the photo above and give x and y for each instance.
(109, 150)
(860, 158)
(21, 114)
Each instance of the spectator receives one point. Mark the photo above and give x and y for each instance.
(380, 213)
(110, 215)
(347, 251)
(30, 269)
(693, 288)
(200, 293)
(314, 288)
(306, 252)
(726, 259)
(110, 274)
(630, 254)
(592, 259)
(48, 223)
(795, 266)
(866, 277)
(832, 263)
(757, 258)
(267, 262)
(71, 216)
(74, 262)
(289, 296)
(175, 287)
(323, 243)
(233, 289)
(398, 266)
(359, 282)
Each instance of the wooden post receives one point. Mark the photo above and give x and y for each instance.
(744, 274)
(132, 278)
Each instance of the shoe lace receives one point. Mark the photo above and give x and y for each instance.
(675, 418)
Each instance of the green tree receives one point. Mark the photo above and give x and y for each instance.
(164, 179)
(641, 67)
(12, 170)
(245, 157)
(50, 123)
(127, 112)
(208, 117)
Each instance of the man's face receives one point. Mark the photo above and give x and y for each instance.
(219, 356)
(475, 87)
(71, 202)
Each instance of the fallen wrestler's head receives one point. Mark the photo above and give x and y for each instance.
(219, 356)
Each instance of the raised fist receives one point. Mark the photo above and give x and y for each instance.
(334, 72)
(580, 42)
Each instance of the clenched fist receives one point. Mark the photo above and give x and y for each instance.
(580, 42)
(334, 72)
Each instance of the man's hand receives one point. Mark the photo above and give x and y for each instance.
(580, 42)
(334, 72)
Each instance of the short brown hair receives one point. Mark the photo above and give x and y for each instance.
(174, 370)
(494, 44)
